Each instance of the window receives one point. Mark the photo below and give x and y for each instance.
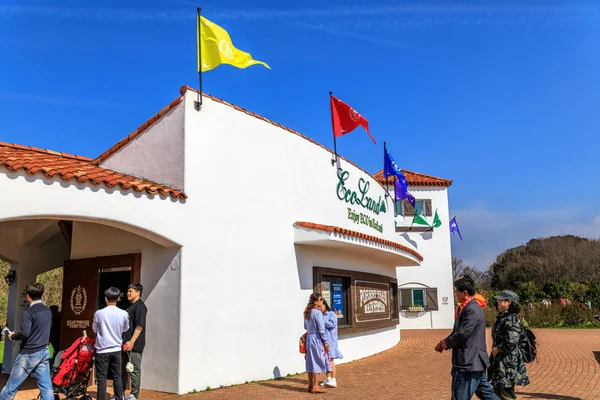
(423, 207)
(334, 291)
(419, 297)
(362, 301)
(413, 297)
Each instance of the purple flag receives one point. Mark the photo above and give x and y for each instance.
(402, 193)
(390, 168)
(454, 228)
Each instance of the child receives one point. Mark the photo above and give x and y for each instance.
(331, 326)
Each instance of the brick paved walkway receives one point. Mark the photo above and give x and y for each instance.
(568, 369)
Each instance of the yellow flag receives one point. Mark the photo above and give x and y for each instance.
(215, 48)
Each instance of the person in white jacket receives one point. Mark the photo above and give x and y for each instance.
(109, 325)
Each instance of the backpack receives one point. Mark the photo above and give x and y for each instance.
(528, 345)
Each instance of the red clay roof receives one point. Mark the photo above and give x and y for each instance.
(414, 179)
(137, 132)
(69, 167)
(329, 228)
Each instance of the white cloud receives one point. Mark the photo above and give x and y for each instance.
(488, 233)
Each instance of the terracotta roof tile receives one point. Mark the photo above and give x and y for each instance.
(329, 228)
(415, 179)
(68, 167)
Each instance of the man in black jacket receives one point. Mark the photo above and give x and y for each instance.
(34, 356)
(467, 341)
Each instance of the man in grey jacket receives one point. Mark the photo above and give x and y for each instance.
(467, 341)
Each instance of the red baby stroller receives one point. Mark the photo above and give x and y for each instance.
(72, 369)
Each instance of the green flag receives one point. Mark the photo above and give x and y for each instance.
(418, 219)
(437, 222)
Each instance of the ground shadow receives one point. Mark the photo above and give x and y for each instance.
(305, 381)
(283, 387)
(547, 396)
(597, 356)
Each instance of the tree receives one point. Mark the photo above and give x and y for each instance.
(459, 268)
(547, 262)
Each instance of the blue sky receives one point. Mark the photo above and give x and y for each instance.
(500, 96)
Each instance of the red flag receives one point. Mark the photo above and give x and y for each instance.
(345, 118)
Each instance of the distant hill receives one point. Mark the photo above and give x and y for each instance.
(548, 260)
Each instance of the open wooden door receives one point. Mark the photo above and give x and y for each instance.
(80, 292)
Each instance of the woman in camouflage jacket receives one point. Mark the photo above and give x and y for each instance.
(507, 366)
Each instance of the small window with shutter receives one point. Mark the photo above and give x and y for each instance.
(427, 298)
(406, 297)
(432, 299)
(423, 207)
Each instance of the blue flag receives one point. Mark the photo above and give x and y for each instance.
(454, 228)
(390, 168)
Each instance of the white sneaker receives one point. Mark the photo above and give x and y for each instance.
(326, 381)
(330, 382)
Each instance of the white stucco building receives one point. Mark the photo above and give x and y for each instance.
(227, 252)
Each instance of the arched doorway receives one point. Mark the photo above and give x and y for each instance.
(94, 255)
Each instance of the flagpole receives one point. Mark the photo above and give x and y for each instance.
(333, 130)
(198, 103)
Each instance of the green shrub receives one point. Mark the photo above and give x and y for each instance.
(529, 291)
(576, 315)
(539, 316)
(490, 314)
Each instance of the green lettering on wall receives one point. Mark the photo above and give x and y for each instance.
(358, 197)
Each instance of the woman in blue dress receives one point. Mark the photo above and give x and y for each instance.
(331, 326)
(316, 342)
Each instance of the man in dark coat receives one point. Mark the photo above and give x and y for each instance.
(467, 341)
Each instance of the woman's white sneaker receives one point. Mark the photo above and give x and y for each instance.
(326, 382)
(330, 382)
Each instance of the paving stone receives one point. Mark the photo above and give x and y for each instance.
(568, 369)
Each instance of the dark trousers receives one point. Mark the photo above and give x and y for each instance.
(506, 393)
(136, 375)
(466, 384)
(106, 362)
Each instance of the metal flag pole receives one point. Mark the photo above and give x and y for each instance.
(334, 160)
(198, 103)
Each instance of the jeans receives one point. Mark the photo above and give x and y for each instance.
(466, 384)
(136, 375)
(104, 362)
(34, 364)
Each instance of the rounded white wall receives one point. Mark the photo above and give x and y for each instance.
(246, 286)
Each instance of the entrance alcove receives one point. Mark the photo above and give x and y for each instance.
(94, 254)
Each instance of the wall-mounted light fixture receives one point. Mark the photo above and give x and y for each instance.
(10, 277)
